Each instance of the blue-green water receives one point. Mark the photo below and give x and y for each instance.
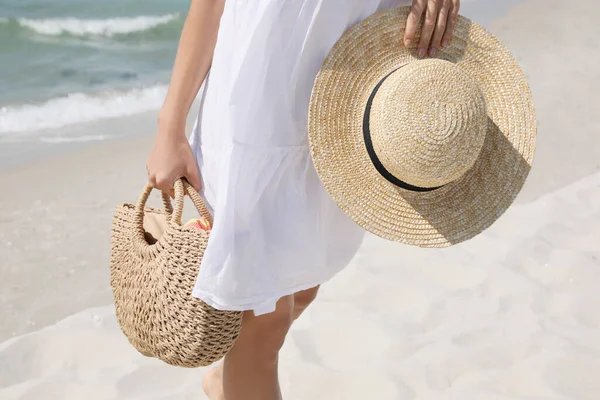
(64, 62)
(83, 58)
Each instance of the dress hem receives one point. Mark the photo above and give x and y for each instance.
(258, 307)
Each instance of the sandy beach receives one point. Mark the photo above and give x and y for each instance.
(512, 314)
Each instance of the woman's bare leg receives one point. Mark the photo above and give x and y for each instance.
(250, 367)
(249, 370)
(303, 299)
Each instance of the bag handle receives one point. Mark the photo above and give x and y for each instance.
(182, 188)
(166, 199)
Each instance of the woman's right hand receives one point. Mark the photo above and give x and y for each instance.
(441, 17)
(171, 158)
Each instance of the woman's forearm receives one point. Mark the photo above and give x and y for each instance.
(193, 59)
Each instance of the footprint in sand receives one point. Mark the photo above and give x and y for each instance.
(410, 304)
(453, 276)
(576, 376)
(473, 337)
(62, 390)
(19, 361)
(156, 380)
(585, 309)
(346, 338)
(313, 382)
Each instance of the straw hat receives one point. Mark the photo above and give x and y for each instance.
(428, 152)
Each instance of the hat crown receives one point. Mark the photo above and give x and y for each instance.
(428, 122)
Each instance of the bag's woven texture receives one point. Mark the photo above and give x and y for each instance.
(152, 286)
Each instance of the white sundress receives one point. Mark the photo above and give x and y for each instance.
(276, 231)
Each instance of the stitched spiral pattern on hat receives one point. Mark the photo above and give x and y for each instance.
(428, 123)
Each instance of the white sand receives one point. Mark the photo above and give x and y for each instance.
(511, 314)
(557, 43)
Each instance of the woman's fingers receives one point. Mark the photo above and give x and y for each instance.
(164, 184)
(193, 177)
(440, 27)
(440, 17)
(171, 159)
(431, 15)
(414, 17)
(452, 19)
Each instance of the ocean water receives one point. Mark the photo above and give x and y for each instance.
(70, 61)
(65, 62)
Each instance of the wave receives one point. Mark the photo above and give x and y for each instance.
(72, 139)
(92, 27)
(79, 108)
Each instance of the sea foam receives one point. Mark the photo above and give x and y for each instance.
(94, 27)
(78, 108)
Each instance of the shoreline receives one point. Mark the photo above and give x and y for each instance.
(19, 153)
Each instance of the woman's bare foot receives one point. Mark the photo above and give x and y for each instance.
(212, 383)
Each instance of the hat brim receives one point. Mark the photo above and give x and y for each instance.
(457, 211)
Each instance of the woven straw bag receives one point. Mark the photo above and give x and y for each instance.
(153, 268)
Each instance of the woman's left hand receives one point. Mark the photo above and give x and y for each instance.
(440, 19)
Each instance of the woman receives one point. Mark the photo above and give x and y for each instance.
(277, 236)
